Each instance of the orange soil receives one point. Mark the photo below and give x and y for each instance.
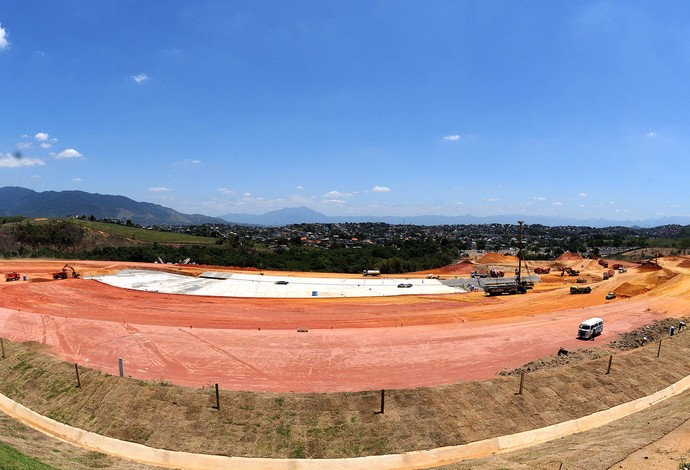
(497, 258)
(349, 344)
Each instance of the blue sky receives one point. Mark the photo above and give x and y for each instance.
(578, 108)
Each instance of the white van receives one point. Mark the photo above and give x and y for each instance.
(588, 329)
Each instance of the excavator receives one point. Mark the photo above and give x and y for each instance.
(62, 274)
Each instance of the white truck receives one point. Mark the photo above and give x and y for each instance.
(371, 272)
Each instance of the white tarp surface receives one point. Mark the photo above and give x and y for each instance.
(255, 285)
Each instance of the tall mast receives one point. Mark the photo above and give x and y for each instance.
(519, 275)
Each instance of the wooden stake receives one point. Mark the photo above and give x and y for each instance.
(610, 361)
(383, 402)
(522, 381)
(2, 344)
(76, 369)
(658, 352)
(217, 398)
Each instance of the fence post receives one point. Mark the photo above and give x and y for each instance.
(122, 367)
(522, 382)
(217, 398)
(610, 361)
(2, 344)
(383, 401)
(658, 352)
(76, 369)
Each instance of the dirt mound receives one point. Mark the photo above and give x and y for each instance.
(630, 290)
(568, 256)
(659, 329)
(497, 258)
(463, 267)
(563, 357)
(684, 264)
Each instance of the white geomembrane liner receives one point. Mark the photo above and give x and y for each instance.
(222, 284)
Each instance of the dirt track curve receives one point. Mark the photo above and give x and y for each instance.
(344, 345)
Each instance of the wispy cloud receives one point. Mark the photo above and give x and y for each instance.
(381, 189)
(158, 189)
(45, 145)
(539, 198)
(4, 43)
(140, 78)
(651, 134)
(582, 194)
(7, 160)
(41, 136)
(226, 191)
(76, 179)
(68, 153)
(452, 138)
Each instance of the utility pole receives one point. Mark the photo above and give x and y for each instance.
(519, 274)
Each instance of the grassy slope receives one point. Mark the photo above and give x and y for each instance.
(144, 235)
(337, 424)
(12, 459)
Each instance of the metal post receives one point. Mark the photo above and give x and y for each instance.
(2, 344)
(122, 367)
(383, 401)
(658, 352)
(522, 381)
(217, 398)
(76, 369)
(610, 361)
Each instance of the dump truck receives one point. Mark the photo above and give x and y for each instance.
(580, 290)
(539, 270)
(603, 263)
(13, 276)
(504, 288)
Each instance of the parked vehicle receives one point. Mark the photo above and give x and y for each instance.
(610, 296)
(590, 328)
(510, 288)
(13, 276)
(371, 272)
(580, 290)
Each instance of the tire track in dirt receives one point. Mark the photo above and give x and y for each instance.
(257, 372)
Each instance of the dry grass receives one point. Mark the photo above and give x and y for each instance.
(335, 424)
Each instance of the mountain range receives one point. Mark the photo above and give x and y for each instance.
(26, 202)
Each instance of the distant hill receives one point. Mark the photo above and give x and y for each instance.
(301, 215)
(29, 203)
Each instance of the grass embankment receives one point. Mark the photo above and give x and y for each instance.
(335, 424)
(12, 459)
(144, 235)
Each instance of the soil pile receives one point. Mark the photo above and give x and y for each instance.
(659, 329)
(497, 258)
(463, 267)
(568, 256)
(629, 290)
(562, 357)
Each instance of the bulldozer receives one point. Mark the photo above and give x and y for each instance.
(63, 273)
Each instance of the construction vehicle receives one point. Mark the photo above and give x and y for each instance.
(499, 288)
(479, 274)
(603, 263)
(62, 274)
(539, 270)
(570, 271)
(432, 276)
(371, 272)
(581, 280)
(616, 266)
(605, 276)
(622, 270)
(610, 296)
(14, 276)
(580, 290)
(493, 272)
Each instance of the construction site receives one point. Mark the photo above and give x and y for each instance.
(305, 333)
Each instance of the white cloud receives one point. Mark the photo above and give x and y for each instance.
(540, 198)
(333, 202)
(23, 145)
(4, 43)
(582, 194)
(158, 189)
(381, 189)
(452, 138)
(300, 188)
(69, 153)
(556, 203)
(247, 194)
(140, 78)
(333, 194)
(651, 134)
(7, 160)
(41, 136)
(45, 145)
(493, 199)
(76, 179)
(226, 191)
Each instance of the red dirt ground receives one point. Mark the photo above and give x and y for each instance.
(351, 344)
